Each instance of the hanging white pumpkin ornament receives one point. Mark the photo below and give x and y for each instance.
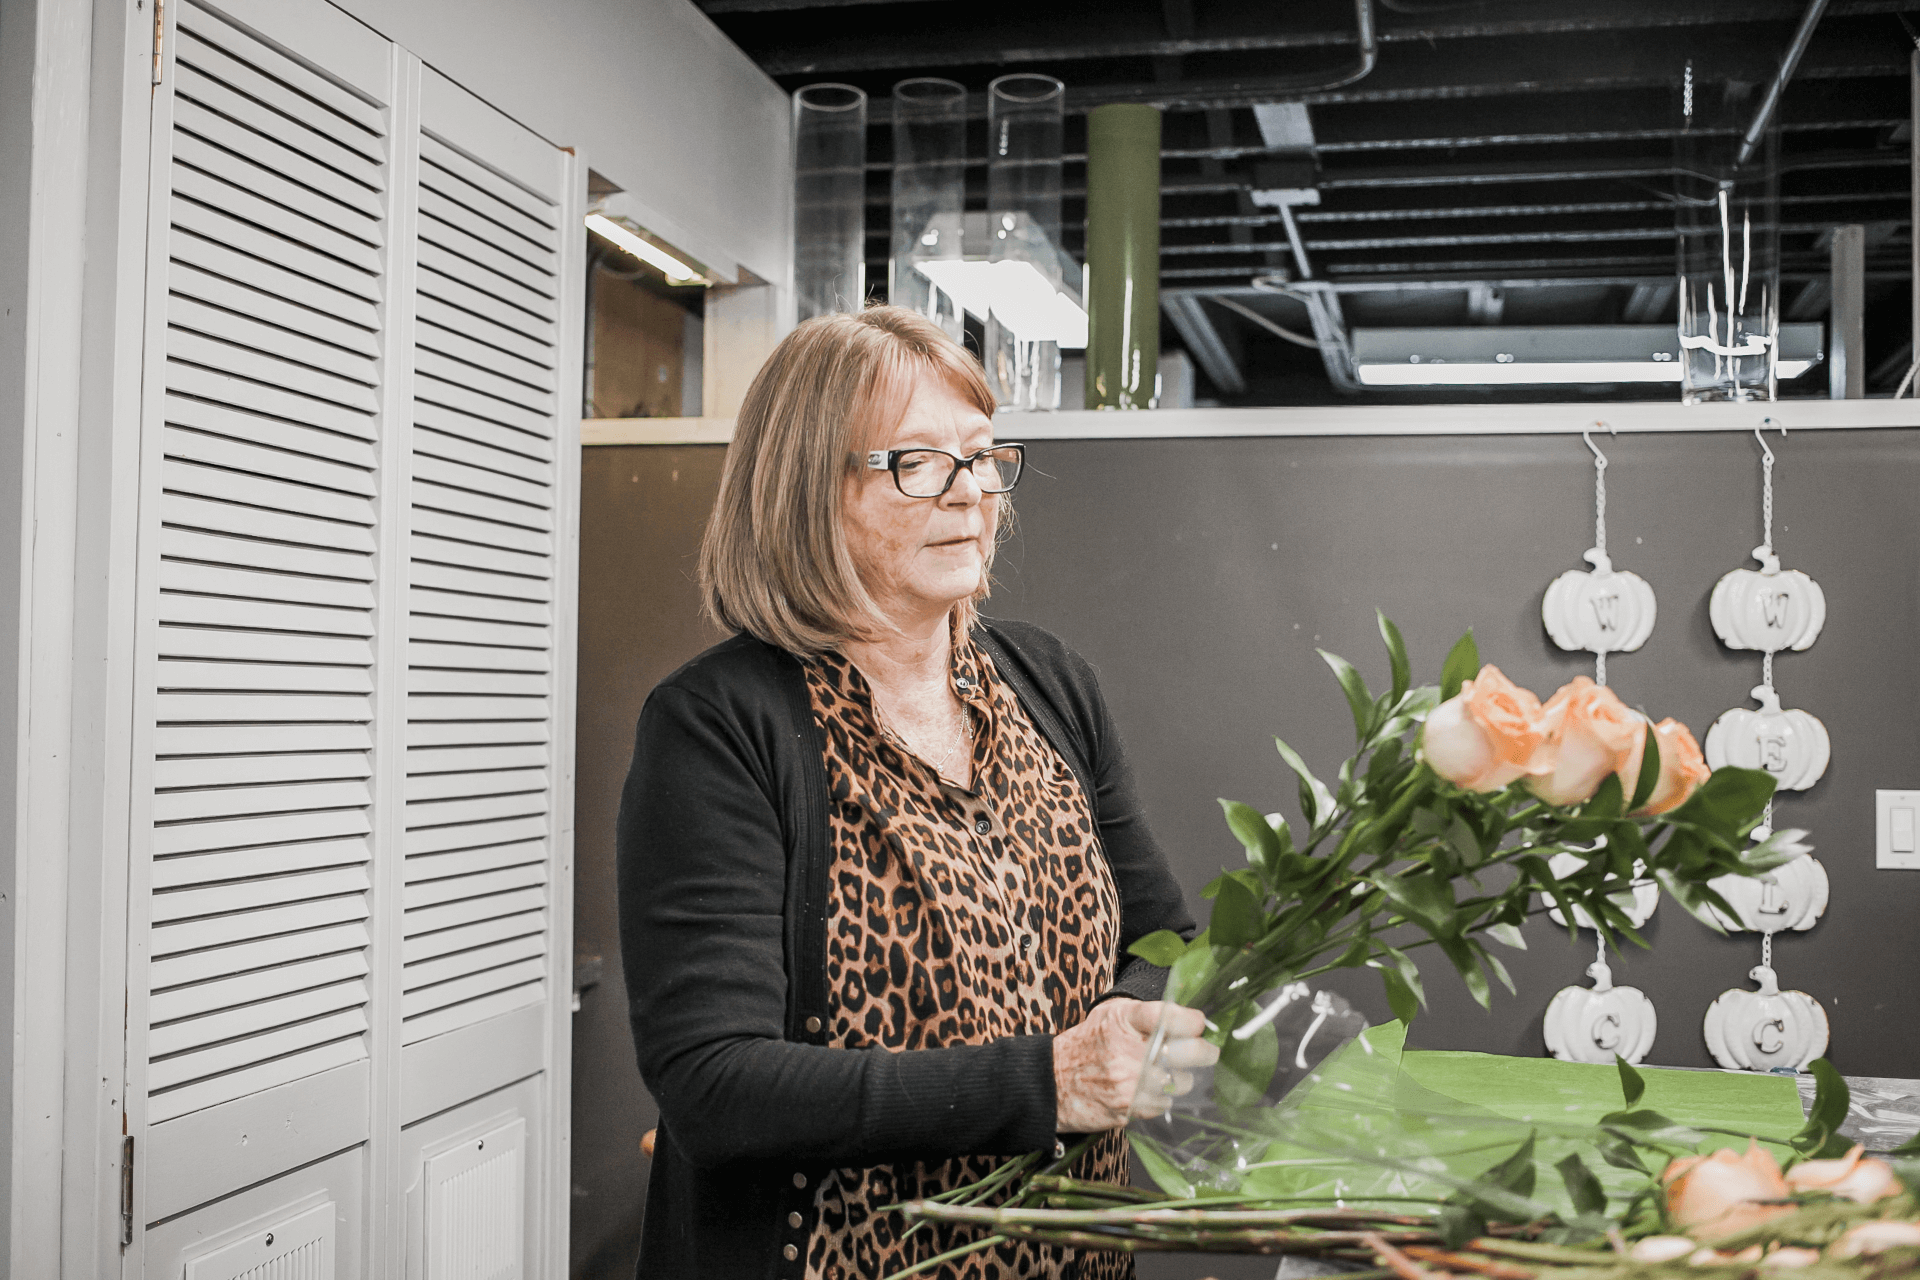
(1791, 745)
(1791, 896)
(1592, 1024)
(1767, 1029)
(1606, 610)
(1636, 901)
(1768, 608)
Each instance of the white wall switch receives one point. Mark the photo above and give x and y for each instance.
(1896, 830)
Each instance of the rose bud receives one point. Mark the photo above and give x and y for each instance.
(1682, 769)
(1590, 734)
(1718, 1195)
(1486, 735)
(1791, 1256)
(1848, 1178)
(1876, 1237)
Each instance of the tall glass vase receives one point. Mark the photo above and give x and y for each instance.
(1727, 202)
(829, 198)
(929, 195)
(1025, 123)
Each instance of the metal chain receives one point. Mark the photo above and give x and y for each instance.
(1766, 495)
(1599, 500)
(1766, 541)
(1766, 950)
(1600, 668)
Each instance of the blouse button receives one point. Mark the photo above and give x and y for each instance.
(794, 1220)
(790, 1253)
(800, 1180)
(982, 825)
(813, 1026)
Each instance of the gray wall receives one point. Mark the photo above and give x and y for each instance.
(1200, 575)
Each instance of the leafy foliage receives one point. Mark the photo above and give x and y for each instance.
(1390, 846)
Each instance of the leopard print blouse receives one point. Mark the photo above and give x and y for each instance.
(956, 917)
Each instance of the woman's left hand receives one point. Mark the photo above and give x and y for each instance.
(1097, 1065)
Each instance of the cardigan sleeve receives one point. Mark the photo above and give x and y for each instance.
(702, 865)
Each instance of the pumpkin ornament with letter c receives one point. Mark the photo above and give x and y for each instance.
(1769, 608)
(1791, 745)
(1764, 1029)
(1592, 1024)
(1605, 611)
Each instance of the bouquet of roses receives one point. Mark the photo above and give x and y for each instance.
(1444, 829)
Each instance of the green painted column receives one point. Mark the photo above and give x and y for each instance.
(1123, 256)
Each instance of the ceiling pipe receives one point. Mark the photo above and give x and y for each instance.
(1770, 104)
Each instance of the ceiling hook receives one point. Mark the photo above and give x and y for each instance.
(1763, 440)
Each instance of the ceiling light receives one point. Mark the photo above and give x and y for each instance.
(1014, 292)
(1490, 355)
(624, 238)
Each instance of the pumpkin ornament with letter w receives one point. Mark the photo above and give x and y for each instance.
(1606, 611)
(1767, 609)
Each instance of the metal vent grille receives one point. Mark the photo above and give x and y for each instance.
(476, 1206)
(300, 1248)
(263, 724)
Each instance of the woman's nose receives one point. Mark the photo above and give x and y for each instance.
(965, 489)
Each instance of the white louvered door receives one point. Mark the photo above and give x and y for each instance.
(481, 639)
(352, 741)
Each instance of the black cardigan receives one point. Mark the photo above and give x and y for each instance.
(723, 863)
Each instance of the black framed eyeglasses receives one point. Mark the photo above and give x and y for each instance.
(929, 473)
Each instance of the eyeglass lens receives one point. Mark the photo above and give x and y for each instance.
(924, 473)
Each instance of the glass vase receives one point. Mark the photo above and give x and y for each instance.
(1025, 124)
(829, 199)
(929, 195)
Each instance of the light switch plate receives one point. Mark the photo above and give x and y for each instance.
(1885, 827)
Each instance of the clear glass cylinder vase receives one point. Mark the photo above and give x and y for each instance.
(1727, 214)
(929, 195)
(1026, 121)
(829, 198)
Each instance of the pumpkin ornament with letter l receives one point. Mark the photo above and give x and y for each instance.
(1606, 611)
(1792, 745)
(1764, 1029)
(1768, 609)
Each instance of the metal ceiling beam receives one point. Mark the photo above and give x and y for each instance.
(1204, 343)
(1069, 41)
(714, 7)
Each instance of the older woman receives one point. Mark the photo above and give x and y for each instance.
(880, 858)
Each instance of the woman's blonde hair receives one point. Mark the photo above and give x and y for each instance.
(775, 562)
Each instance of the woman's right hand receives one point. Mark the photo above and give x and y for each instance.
(1097, 1064)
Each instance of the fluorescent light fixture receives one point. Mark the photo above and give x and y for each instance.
(1546, 354)
(624, 238)
(1016, 293)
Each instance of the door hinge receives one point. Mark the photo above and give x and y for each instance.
(126, 1191)
(159, 36)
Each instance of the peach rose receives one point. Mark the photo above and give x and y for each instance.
(1720, 1194)
(1590, 734)
(1682, 769)
(1877, 1237)
(1790, 1256)
(1661, 1248)
(1848, 1178)
(1486, 735)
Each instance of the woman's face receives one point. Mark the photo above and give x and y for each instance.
(919, 557)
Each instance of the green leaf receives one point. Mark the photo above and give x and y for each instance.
(1499, 970)
(1619, 1152)
(1409, 971)
(1359, 699)
(1831, 1101)
(1237, 918)
(1161, 1167)
(1315, 799)
(1193, 970)
(1460, 1225)
(1397, 655)
(1582, 1187)
(1632, 1087)
(1462, 665)
(1246, 1068)
(1514, 1176)
(1401, 998)
(1424, 897)
(1911, 1147)
(1507, 935)
(1728, 803)
(1649, 770)
(1251, 828)
(1650, 1127)
(1161, 947)
(1607, 801)
(1467, 963)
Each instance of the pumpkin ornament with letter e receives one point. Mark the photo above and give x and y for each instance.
(1792, 745)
